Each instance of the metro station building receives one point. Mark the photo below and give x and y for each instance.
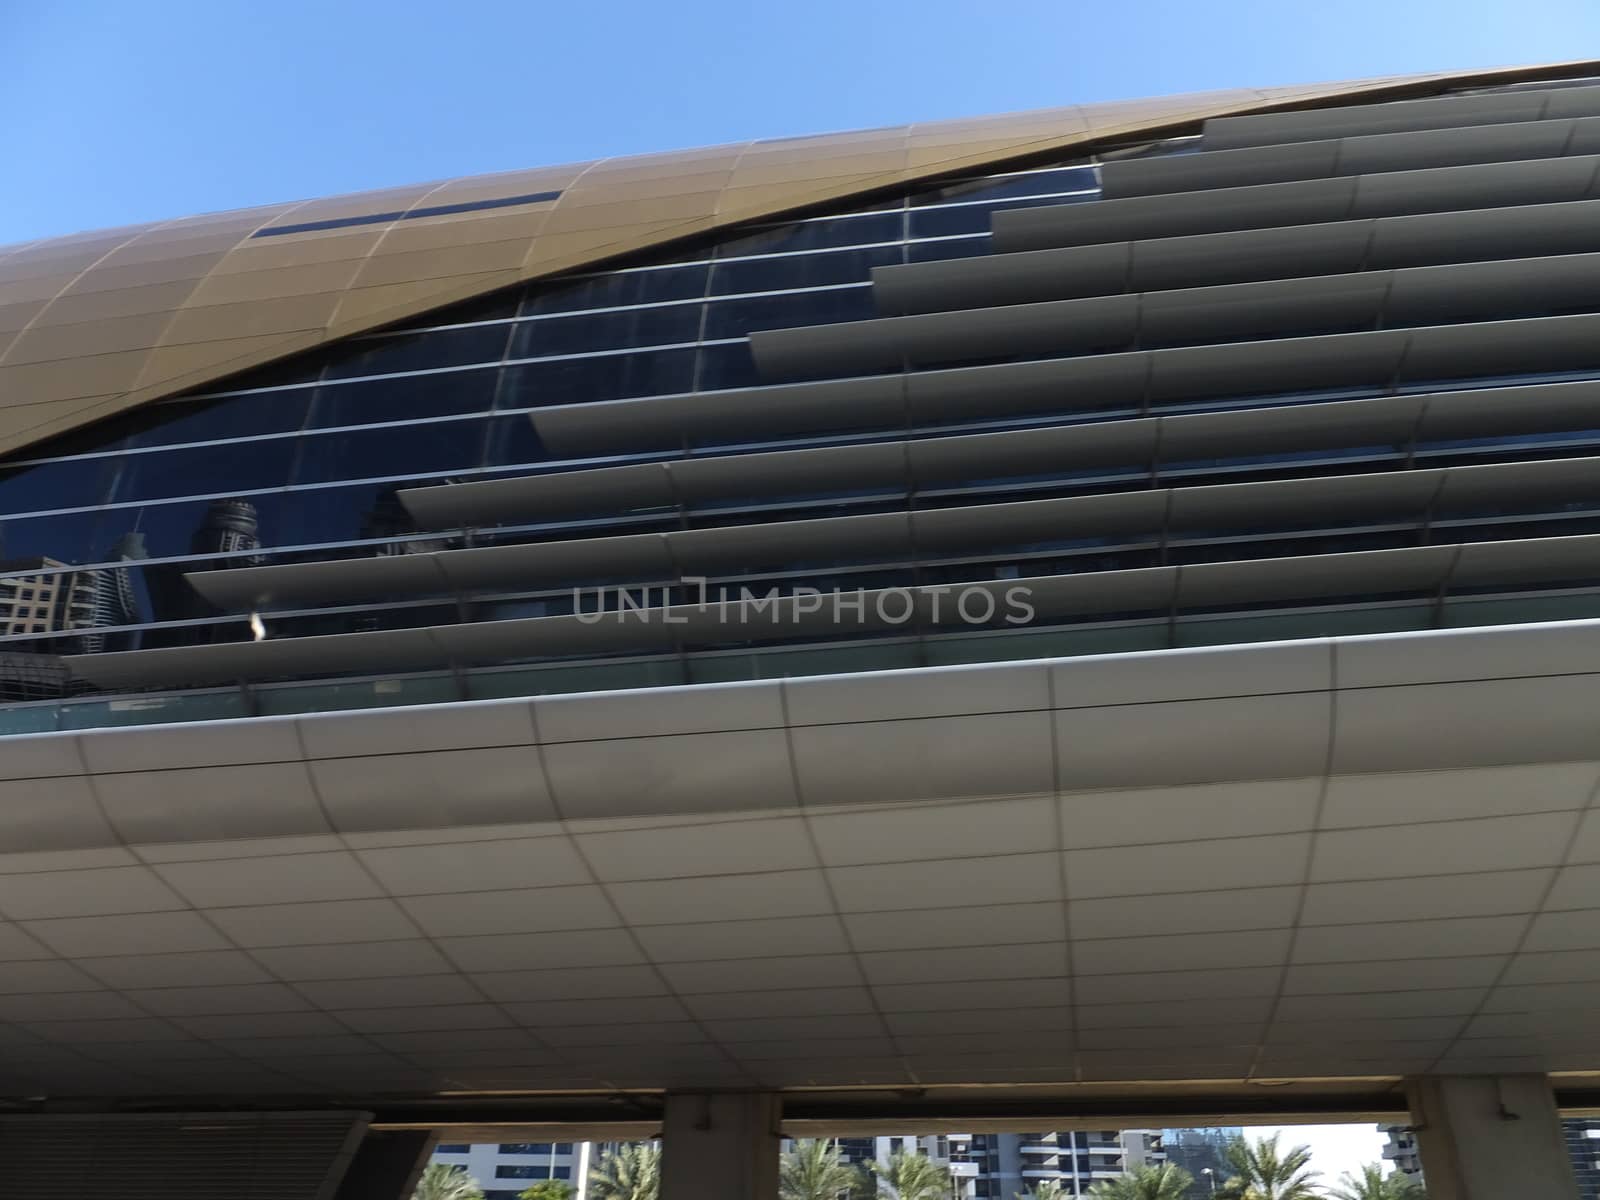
(1079, 619)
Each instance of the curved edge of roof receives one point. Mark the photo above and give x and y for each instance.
(97, 323)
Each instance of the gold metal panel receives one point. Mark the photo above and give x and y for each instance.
(33, 287)
(438, 233)
(505, 183)
(572, 216)
(194, 363)
(73, 378)
(816, 153)
(855, 166)
(225, 322)
(618, 172)
(564, 251)
(358, 204)
(646, 187)
(44, 343)
(746, 203)
(370, 308)
(18, 316)
(67, 260)
(108, 277)
(111, 283)
(72, 307)
(300, 250)
(405, 267)
(276, 283)
(25, 423)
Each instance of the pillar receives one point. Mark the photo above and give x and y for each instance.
(1490, 1137)
(720, 1146)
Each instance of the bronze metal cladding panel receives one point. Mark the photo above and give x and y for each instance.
(99, 322)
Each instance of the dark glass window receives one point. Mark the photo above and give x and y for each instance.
(962, 247)
(607, 331)
(174, 529)
(524, 1147)
(451, 1148)
(305, 369)
(321, 515)
(818, 235)
(611, 377)
(801, 270)
(726, 366)
(405, 398)
(75, 483)
(399, 450)
(71, 538)
(226, 467)
(396, 353)
(614, 291)
(513, 440)
(502, 306)
(1036, 183)
(232, 417)
(735, 318)
(531, 1171)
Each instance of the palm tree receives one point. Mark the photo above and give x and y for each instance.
(546, 1189)
(630, 1172)
(1373, 1184)
(1261, 1172)
(440, 1181)
(913, 1177)
(1050, 1189)
(1165, 1182)
(816, 1170)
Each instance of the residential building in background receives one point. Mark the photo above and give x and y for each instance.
(504, 1169)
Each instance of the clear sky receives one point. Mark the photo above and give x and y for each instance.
(119, 112)
(1335, 1149)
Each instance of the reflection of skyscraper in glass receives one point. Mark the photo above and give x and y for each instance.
(388, 518)
(229, 527)
(116, 600)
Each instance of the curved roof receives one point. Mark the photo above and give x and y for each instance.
(99, 322)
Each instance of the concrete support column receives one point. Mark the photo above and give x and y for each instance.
(1490, 1137)
(720, 1146)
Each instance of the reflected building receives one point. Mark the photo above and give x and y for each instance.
(1200, 1150)
(39, 595)
(229, 527)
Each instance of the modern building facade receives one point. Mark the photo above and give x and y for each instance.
(1091, 609)
(505, 1169)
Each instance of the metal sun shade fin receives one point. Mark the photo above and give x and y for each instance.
(1224, 313)
(1153, 589)
(961, 458)
(1377, 359)
(1359, 154)
(1300, 202)
(724, 550)
(1242, 256)
(1445, 112)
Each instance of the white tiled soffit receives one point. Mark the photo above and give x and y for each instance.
(1351, 857)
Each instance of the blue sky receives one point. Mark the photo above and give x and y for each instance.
(120, 112)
